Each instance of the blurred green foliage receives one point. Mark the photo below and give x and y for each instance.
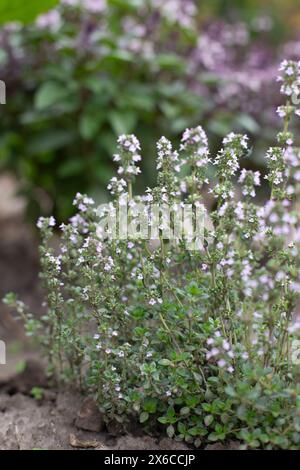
(71, 100)
(77, 81)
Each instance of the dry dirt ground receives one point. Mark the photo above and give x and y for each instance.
(59, 419)
(65, 420)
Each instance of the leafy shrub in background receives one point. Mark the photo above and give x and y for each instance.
(78, 78)
(89, 71)
(199, 343)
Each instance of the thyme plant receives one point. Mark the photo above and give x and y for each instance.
(199, 343)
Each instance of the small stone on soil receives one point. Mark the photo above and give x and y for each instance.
(89, 417)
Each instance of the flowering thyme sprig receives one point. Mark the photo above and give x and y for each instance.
(168, 165)
(228, 159)
(276, 156)
(249, 179)
(194, 147)
(227, 163)
(289, 77)
(117, 186)
(276, 176)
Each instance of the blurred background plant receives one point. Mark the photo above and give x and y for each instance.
(88, 70)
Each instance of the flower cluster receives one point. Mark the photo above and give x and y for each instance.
(195, 145)
(182, 12)
(227, 163)
(220, 352)
(169, 165)
(227, 160)
(249, 179)
(276, 165)
(128, 156)
(289, 77)
(117, 186)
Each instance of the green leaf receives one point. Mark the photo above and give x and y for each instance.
(197, 443)
(264, 438)
(49, 94)
(165, 362)
(198, 377)
(210, 78)
(49, 140)
(144, 417)
(180, 357)
(185, 411)
(213, 436)
(197, 431)
(122, 122)
(150, 405)
(137, 97)
(138, 313)
(170, 430)
(193, 401)
(170, 61)
(216, 436)
(24, 11)
(120, 56)
(37, 393)
(20, 367)
(170, 412)
(169, 109)
(126, 4)
(242, 412)
(193, 289)
(220, 125)
(162, 420)
(208, 420)
(72, 167)
(248, 123)
(206, 406)
(89, 125)
(181, 428)
(230, 391)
